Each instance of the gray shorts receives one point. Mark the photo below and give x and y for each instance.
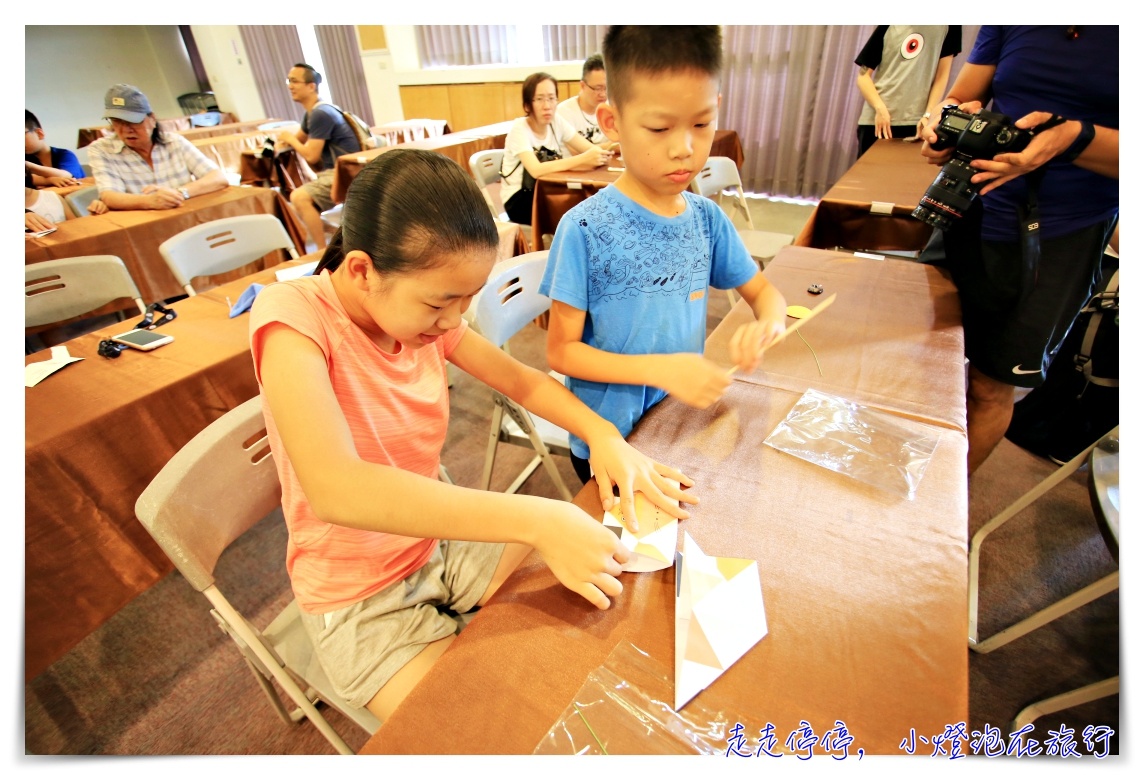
(361, 646)
(321, 190)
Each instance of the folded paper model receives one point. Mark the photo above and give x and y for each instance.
(719, 616)
(653, 546)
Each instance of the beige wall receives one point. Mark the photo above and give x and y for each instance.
(69, 68)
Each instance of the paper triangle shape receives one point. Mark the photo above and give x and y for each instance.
(713, 612)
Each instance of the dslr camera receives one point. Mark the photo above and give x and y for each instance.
(972, 137)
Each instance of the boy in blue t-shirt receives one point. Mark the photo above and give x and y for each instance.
(38, 152)
(629, 268)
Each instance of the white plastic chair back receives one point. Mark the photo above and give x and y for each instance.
(215, 489)
(58, 290)
(720, 174)
(511, 298)
(79, 200)
(485, 167)
(223, 245)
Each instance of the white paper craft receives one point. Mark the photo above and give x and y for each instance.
(719, 616)
(34, 373)
(653, 548)
(297, 271)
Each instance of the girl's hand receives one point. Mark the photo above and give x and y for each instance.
(615, 462)
(586, 557)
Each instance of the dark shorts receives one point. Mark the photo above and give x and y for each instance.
(1011, 336)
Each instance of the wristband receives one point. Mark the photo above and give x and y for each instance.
(1083, 139)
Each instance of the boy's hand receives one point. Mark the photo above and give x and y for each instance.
(692, 378)
(615, 462)
(586, 557)
(63, 181)
(749, 340)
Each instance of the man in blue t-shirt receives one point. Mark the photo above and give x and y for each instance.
(324, 136)
(1017, 306)
(38, 152)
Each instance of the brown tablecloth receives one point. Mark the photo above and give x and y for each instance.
(95, 434)
(285, 170)
(456, 146)
(229, 128)
(556, 193)
(892, 175)
(172, 125)
(134, 236)
(865, 592)
(227, 150)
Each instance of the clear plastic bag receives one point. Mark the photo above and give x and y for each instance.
(624, 708)
(848, 438)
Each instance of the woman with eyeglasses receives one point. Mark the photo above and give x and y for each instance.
(540, 142)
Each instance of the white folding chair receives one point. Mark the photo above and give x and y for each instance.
(1104, 477)
(79, 200)
(508, 302)
(720, 174)
(223, 245)
(58, 290)
(486, 169)
(218, 486)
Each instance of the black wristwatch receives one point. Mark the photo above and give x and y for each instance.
(1083, 139)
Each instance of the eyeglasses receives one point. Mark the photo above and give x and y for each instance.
(291, 82)
(122, 123)
(546, 99)
(600, 90)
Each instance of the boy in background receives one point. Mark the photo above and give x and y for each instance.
(37, 151)
(629, 268)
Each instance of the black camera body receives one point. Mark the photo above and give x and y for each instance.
(972, 137)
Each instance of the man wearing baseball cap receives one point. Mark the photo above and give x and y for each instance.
(142, 167)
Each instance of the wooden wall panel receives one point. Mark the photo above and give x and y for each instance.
(510, 97)
(430, 101)
(473, 105)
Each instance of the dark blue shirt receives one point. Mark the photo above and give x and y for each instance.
(64, 159)
(1039, 68)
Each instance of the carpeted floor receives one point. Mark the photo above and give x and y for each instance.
(160, 679)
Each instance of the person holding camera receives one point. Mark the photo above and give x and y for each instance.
(1026, 253)
(541, 142)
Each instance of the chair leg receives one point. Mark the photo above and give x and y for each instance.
(546, 458)
(1045, 615)
(1101, 587)
(239, 626)
(1063, 701)
(491, 447)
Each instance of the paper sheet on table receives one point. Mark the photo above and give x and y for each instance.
(653, 547)
(34, 373)
(719, 616)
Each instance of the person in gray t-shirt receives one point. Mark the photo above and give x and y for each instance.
(903, 71)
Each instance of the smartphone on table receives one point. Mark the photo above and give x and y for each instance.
(143, 339)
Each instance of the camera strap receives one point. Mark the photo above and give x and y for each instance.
(1029, 215)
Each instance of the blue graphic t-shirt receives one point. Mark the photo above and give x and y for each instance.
(642, 281)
